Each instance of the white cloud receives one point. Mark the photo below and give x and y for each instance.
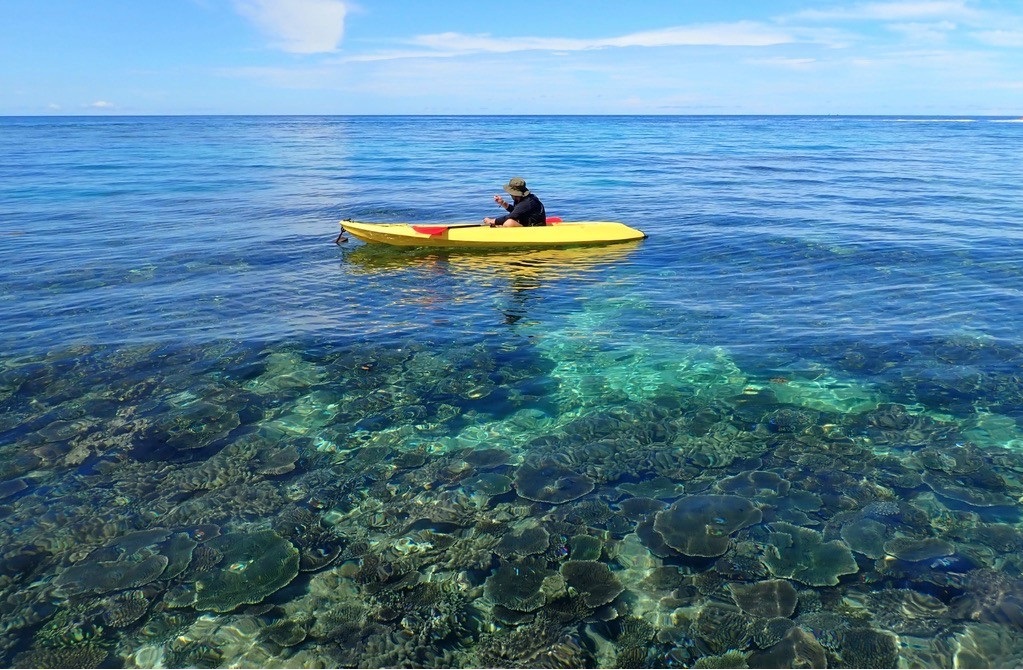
(924, 32)
(1001, 38)
(740, 34)
(894, 11)
(298, 26)
(101, 104)
(786, 63)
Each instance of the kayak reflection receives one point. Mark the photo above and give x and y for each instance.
(439, 288)
(524, 268)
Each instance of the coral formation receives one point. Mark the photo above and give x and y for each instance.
(702, 525)
(518, 586)
(592, 580)
(721, 627)
(865, 536)
(523, 542)
(546, 481)
(798, 649)
(771, 598)
(252, 566)
(418, 507)
(869, 648)
(802, 554)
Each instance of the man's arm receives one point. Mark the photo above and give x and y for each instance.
(520, 212)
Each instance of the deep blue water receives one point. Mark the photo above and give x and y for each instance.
(184, 351)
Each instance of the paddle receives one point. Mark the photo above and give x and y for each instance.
(439, 230)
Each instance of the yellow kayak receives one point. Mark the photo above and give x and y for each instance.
(564, 234)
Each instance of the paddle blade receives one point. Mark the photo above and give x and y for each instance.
(430, 230)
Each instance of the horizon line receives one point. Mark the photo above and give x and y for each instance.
(486, 115)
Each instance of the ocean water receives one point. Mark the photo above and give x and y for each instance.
(790, 421)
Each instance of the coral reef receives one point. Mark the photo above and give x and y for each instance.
(547, 481)
(251, 567)
(701, 525)
(768, 599)
(412, 507)
(801, 554)
(593, 581)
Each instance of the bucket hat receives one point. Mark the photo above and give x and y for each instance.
(516, 186)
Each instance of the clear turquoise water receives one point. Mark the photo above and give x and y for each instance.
(184, 352)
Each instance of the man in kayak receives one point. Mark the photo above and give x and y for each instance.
(524, 210)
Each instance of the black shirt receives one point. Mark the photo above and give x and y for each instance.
(529, 212)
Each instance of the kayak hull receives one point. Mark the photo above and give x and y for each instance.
(575, 233)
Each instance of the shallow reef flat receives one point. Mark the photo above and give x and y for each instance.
(533, 504)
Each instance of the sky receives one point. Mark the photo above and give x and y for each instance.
(137, 57)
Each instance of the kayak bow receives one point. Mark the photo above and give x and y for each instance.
(569, 233)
